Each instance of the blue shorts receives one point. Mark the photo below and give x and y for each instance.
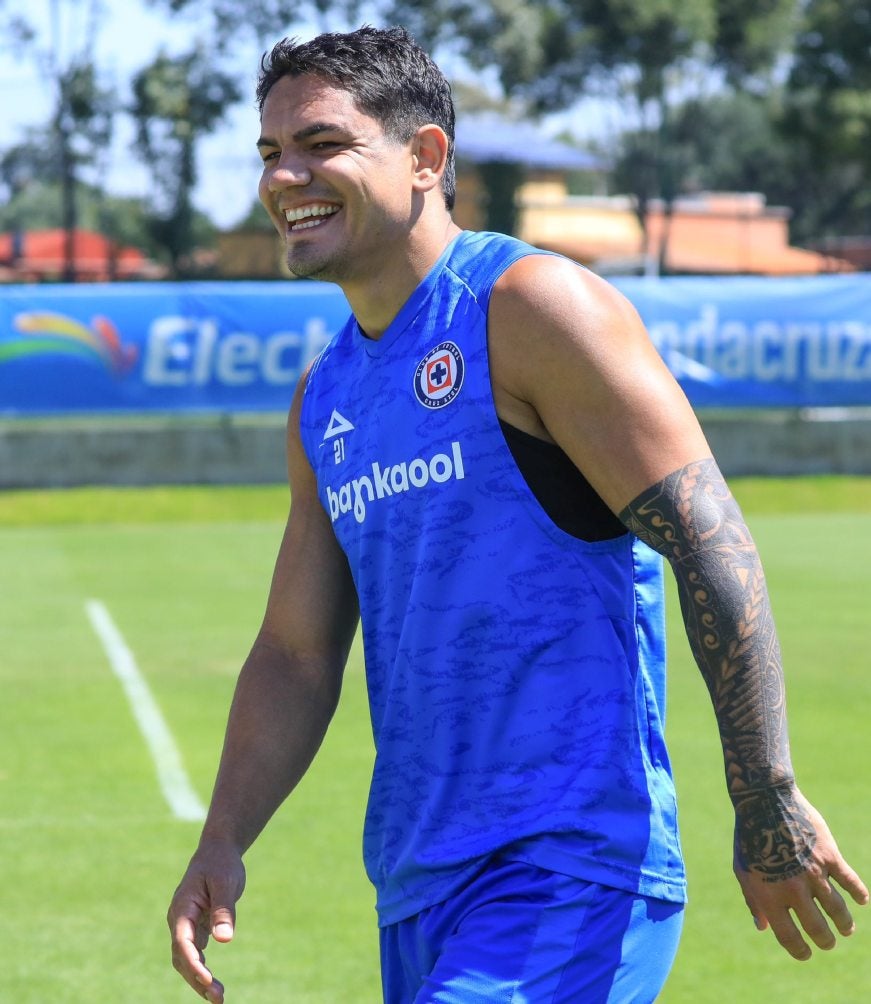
(517, 934)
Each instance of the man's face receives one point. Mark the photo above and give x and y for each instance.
(337, 189)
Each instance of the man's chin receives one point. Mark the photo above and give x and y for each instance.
(304, 269)
(310, 268)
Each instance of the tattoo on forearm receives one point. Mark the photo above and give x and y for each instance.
(692, 519)
(773, 834)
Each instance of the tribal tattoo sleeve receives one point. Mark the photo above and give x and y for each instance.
(692, 519)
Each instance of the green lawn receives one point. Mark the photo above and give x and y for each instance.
(91, 852)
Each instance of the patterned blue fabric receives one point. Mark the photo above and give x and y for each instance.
(517, 934)
(516, 674)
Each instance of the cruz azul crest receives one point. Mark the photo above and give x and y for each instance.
(439, 377)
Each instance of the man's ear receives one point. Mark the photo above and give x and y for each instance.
(430, 156)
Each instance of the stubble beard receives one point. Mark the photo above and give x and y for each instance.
(325, 268)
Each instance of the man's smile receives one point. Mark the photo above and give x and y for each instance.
(307, 217)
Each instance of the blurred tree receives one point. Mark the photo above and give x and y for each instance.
(728, 141)
(695, 83)
(83, 106)
(176, 100)
(256, 219)
(827, 118)
(731, 142)
(37, 206)
(264, 19)
(16, 32)
(23, 166)
(500, 179)
(644, 55)
(82, 126)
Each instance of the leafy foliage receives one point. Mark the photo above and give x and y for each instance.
(827, 115)
(644, 54)
(263, 19)
(177, 100)
(81, 121)
(700, 87)
(37, 206)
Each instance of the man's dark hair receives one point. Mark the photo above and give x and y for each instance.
(390, 77)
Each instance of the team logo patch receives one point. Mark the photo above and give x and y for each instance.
(439, 377)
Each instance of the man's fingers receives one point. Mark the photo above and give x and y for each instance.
(222, 916)
(201, 933)
(214, 993)
(834, 904)
(789, 936)
(770, 908)
(814, 923)
(204, 905)
(806, 913)
(189, 937)
(758, 915)
(190, 964)
(187, 955)
(848, 880)
(223, 925)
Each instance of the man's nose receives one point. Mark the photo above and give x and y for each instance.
(289, 171)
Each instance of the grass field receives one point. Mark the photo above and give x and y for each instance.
(91, 852)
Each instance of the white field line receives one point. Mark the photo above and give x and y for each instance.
(174, 782)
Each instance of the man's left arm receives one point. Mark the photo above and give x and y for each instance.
(785, 857)
(572, 362)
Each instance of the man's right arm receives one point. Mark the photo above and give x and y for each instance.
(285, 697)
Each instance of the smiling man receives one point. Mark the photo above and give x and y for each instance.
(487, 465)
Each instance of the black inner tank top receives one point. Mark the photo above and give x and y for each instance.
(560, 488)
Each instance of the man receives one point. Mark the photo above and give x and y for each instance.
(483, 465)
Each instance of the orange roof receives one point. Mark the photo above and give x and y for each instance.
(711, 253)
(711, 233)
(733, 232)
(43, 253)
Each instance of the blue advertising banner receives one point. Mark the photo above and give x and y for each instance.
(165, 347)
(748, 342)
(161, 346)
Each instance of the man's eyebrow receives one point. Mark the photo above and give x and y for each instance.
(315, 128)
(306, 133)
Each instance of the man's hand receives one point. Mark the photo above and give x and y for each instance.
(785, 860)
(205, 904)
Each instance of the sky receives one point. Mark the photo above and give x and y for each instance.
(130, 34)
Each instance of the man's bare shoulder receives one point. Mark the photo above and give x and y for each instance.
(553, 287)
(566, 318)
(572, 361)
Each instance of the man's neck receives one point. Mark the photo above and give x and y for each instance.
(376, 301)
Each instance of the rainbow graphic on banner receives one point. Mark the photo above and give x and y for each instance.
(42, 333)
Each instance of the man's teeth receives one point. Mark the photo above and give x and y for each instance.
(311, 214)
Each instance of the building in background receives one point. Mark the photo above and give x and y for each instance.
(710, 233)
(40, 256)
(512, 167)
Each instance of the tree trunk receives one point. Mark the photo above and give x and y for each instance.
(501, 180)
(69, 214)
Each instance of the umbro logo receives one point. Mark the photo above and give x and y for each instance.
(338, 425)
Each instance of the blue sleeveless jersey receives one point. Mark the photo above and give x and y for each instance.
(515, 673)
